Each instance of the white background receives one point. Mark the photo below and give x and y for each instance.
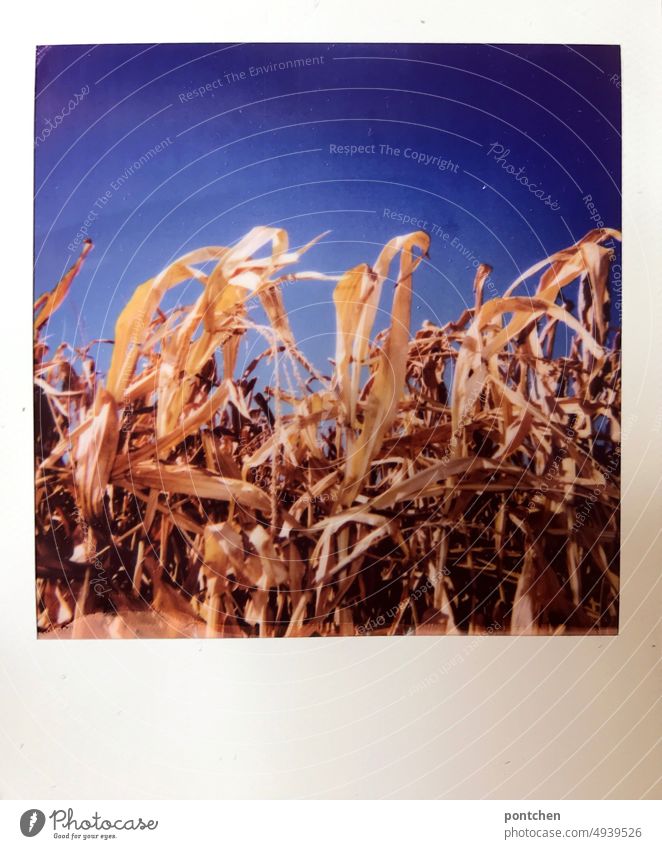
(404, 717)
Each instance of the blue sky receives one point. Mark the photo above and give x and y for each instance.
(457, 137)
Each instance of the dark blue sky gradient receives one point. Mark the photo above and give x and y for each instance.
(256, 150)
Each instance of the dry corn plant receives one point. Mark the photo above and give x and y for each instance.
(465, 480)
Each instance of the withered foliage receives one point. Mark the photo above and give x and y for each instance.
(465, 480)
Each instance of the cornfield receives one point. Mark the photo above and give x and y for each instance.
(457, 479)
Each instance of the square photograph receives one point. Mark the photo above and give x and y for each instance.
(327, 340)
